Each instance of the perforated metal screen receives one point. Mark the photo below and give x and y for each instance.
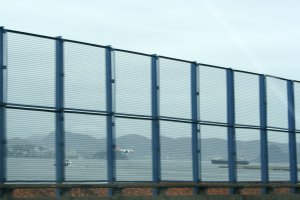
(30, 145)
(134, 159)
(298, 151)
(277, 103)
(297, 121)
(133, 83)
(248, 149)
(93, 104)
(30, 70)
(212, 137)
(176, 152)
(175, 89)
(246, 99)
(213, 94)
(85, 147)
(297, 105)
(278, 156)
(84, 75)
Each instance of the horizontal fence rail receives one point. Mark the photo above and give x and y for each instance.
(164, 188)
(72, 111)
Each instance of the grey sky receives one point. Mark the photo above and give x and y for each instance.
(252, 35)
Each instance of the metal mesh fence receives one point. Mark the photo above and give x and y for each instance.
(176, 152)
(297, 105)
(30, 145)
(102, 108)
(212, 137)
(248, 150)
(85, 147)
(84, 74)
(278, 156)
(134, 157)
(297, 122)
(30, 70)
(133, 83)
(298, 151)
(246, 99)
(277, 103)
(212, 94)
(175, 89)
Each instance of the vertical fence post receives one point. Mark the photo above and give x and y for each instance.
(110, 120)
(2, 112)
(263, 132)
(195, 126)
(231, 129)
(292, 135)
(59, 128)
(156, 170)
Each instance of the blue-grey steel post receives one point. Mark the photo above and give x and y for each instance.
(195, 127)
(292, 135)
(59, 128)
(263, 132)
(231, 129)
(156, 170)
(2, 111)
(110, 120)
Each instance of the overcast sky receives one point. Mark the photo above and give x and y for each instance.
(251, 35)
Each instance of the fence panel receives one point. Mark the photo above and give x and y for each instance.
(85, 147)
(297, 105)
(246, 99)
(133, 83)
(134, 155)
(84, 67)
(278, 148)
(30, 70)
(213, 94)
(297, 121)
(298, 153)
(212, 137)
(176, 151)
(277, 103)
(248, 150)
(30, 145)
(175, 89)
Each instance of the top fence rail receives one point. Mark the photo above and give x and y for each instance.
(139, 53)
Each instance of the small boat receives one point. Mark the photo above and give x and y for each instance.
(68, 163)
(221, 160)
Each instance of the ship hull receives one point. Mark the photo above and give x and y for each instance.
(225, 162)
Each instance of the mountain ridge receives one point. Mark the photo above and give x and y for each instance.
(171, 148)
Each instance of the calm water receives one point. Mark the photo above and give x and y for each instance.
(127, 170)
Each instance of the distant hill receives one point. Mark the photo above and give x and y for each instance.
(17, 140)
(140, 144)
(78, 142)
(171, 148)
